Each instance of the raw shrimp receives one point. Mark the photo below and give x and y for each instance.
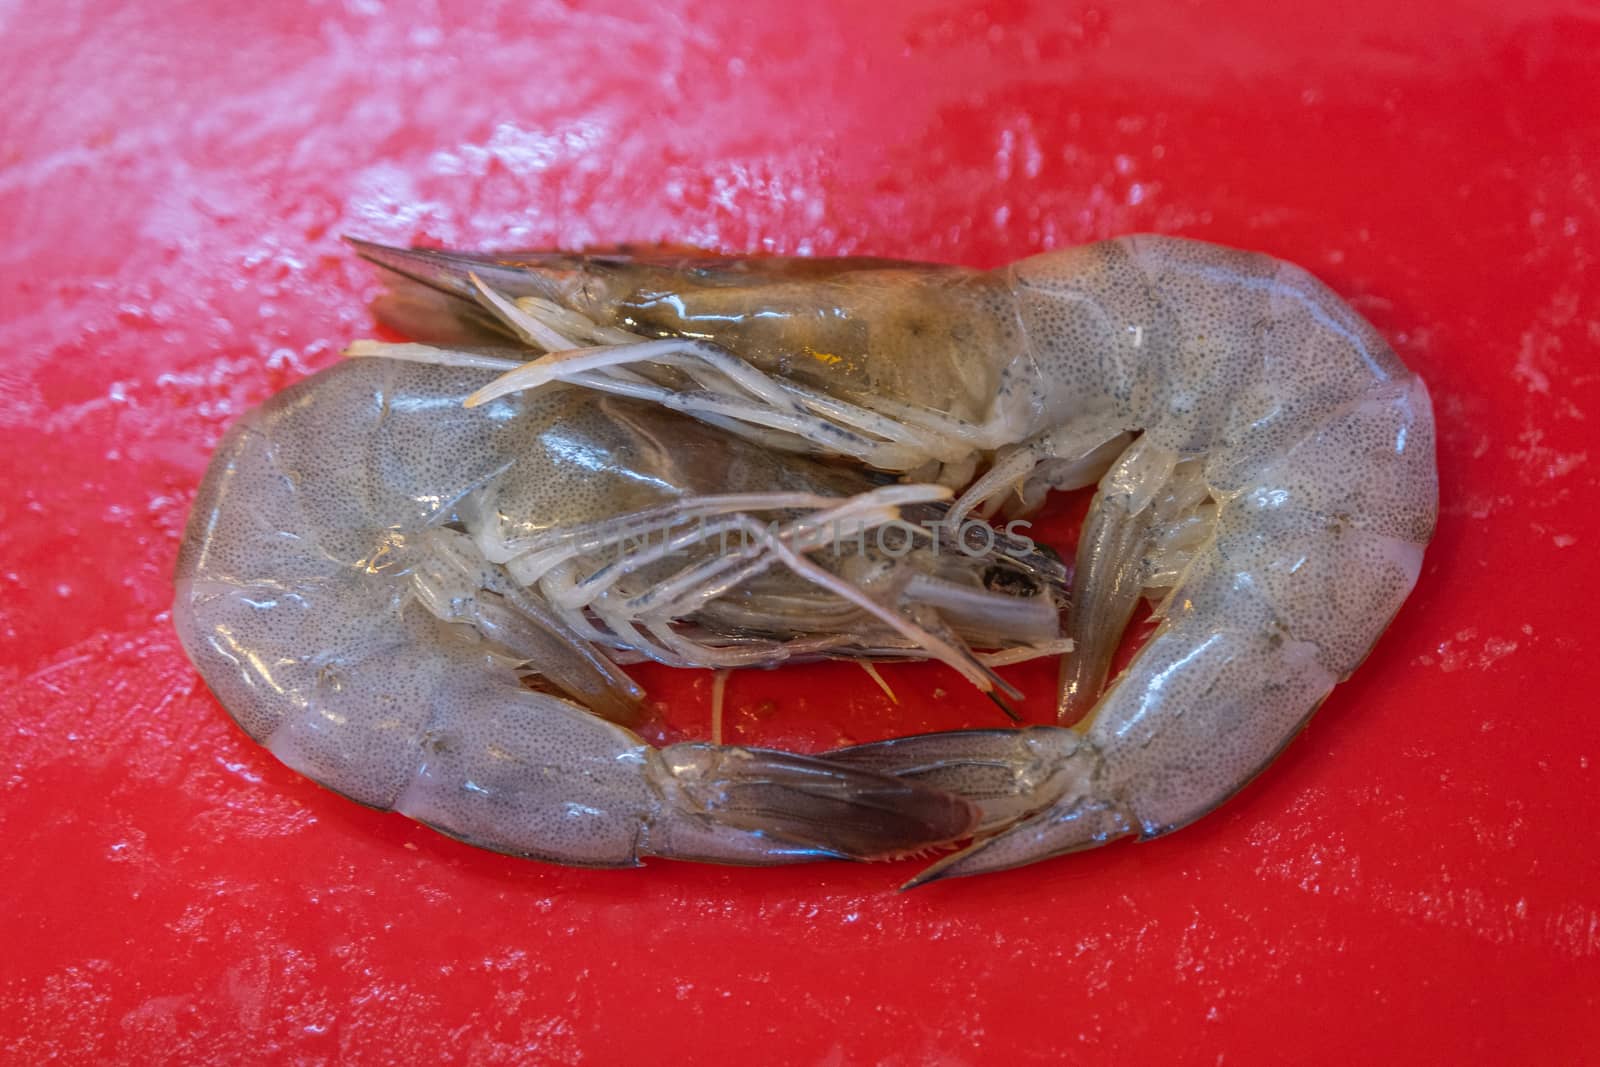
(1265, 466)
(374, 576)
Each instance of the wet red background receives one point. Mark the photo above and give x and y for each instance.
(1416, 878)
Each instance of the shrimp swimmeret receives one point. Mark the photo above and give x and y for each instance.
(375, 578)
(1265, 468)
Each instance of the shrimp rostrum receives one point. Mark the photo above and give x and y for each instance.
(427, 607)
(1264, 466)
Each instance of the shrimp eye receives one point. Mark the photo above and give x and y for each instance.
(1000, 578)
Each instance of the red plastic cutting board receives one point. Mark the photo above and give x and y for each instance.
(1416, 878)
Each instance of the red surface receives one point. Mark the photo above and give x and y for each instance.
(1417, 877)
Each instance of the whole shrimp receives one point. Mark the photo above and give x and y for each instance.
(423, 607)
(1265, 465)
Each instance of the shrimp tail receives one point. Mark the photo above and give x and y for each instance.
(1036, 789)
(720, 797)
(1007, 774)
